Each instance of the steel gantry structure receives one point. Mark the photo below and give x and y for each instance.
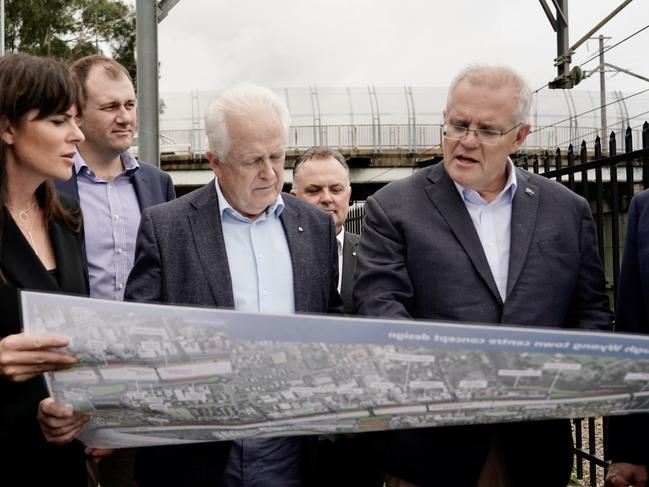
(568, 77)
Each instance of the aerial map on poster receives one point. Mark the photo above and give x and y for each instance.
(159, 374)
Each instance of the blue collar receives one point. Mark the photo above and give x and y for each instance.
(275, 208)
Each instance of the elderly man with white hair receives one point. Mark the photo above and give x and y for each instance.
(237, 242)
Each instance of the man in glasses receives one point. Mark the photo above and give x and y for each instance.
(475, 239)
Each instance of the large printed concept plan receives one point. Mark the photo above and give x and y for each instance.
(159, 374)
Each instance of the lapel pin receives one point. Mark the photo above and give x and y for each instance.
(529, 191)
(354, 253)
(300, 229)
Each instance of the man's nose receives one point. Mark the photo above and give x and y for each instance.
(326, 196)
(124, 115)
(471, 139)
(266, 168)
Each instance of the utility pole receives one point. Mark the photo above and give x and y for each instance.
(602, 93)
(146, 36)
(602, 69)
(148, 14)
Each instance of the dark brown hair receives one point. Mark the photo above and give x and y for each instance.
(319, 153)
(35, 83)
(81, 68)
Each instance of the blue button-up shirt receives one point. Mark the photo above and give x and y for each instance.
(111, 216)
(262, 281)
(492, 222)
(259, 259)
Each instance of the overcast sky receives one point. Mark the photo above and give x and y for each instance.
(209, 44)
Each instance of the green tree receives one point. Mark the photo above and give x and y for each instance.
(70, 29)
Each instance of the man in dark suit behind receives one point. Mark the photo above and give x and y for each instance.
(628, 436)
(237, 243)
(474, 239)
(321, 177)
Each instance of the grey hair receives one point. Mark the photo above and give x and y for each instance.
(495, 77)
(241, 99)
(319, 153)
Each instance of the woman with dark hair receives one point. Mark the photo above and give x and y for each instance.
(40, 249)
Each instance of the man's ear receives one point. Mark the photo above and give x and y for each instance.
(294, 186)
(214, 162)
(522, 134)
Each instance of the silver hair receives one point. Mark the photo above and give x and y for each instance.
(495, 77)
(241, 99)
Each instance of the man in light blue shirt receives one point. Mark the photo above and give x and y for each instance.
(474, 239)
(237, 242)
(112, 188)
(492, 221)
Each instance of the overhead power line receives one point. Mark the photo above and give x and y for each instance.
(540, 88)
(590, 111)
(598, 54)
(615, 45)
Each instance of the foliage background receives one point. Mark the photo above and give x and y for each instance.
(70, 29)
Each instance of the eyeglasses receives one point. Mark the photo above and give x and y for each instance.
(484, 136)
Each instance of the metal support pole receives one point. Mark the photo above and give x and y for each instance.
(146, 36)
(602, 91)
(563, 44)
(317, 122)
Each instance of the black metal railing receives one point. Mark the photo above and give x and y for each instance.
(607, 182)
(354, 222)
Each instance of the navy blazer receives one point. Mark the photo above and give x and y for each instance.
(181, 258)
(152, 187)
(629, 435)
(420, 257)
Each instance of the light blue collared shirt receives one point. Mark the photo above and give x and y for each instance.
(259, 258)
(111, 217)
(262, 281)
(492, 221)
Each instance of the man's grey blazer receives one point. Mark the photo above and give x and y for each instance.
(420, 257)
(181, 258)
(349, 267)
